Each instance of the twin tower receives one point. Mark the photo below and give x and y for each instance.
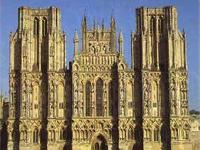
(98, 103)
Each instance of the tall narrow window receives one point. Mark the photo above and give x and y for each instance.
(36, 26)
(35, 136)
(99, 97)
(156, 134)
(154, 99)
(176, 133)
(110, 98)
(44, 26)
(152, 27)
(52, 135)
(62, 134)
(88, 99)
(162, 25)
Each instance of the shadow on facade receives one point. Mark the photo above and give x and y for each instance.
(44, 121)
(138, 131)
(3, 131)
(44, 95)
(68, 113)
(165, 128)
(16, 133)
(115, 107)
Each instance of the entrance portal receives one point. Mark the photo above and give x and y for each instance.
(99, 143)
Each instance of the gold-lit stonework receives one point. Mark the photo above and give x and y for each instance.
(98, 103)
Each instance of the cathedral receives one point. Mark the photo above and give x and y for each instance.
(98, 102)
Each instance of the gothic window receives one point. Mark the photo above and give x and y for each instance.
(52, 135)
(44, 26)
(156, 134)
(60, 99)
(175, 133)
(88, 99)
(35, 136)
(36, 26)
(154, 98)
(99, 97)
(153, 25)
(162, 25)
(110, 98)
(147, 134)
(62, 134)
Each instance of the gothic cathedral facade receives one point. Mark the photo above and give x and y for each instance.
(98, 102)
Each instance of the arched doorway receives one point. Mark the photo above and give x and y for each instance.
(100, 143)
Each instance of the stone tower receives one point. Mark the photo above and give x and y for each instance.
(37, 79)
(159, 58)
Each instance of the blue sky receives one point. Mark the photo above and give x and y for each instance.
(124, 11)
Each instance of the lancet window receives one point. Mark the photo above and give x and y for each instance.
(88, 99)
(99, 97)
(36, 26)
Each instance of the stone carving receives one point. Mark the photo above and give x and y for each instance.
(60, 86)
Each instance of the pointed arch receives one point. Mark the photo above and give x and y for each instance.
(99, 97)
(110, 98)
(154, 98)
(60, 99)
(44, 26)
(35, 135)
(36, 26)
(156, 134)
(88, 98)
(62, 133)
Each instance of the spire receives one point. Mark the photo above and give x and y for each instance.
(121, 37)
(76, 43)
(184, 35)
(112, 23)
(94, 24)
(112, 34)
(76, 36)
(103, 24)
(84, 22)
(120, 41)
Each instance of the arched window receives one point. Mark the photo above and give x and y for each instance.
(62, 134)
(156, 134)
(154, 98)
(88, 99)
(99, 97)
(176, 133)
(148, 134)
(36, 26)
(44, 26)
(161, 25)
(110, 98)
(52, 135)
(153, 25)
(35, 136)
